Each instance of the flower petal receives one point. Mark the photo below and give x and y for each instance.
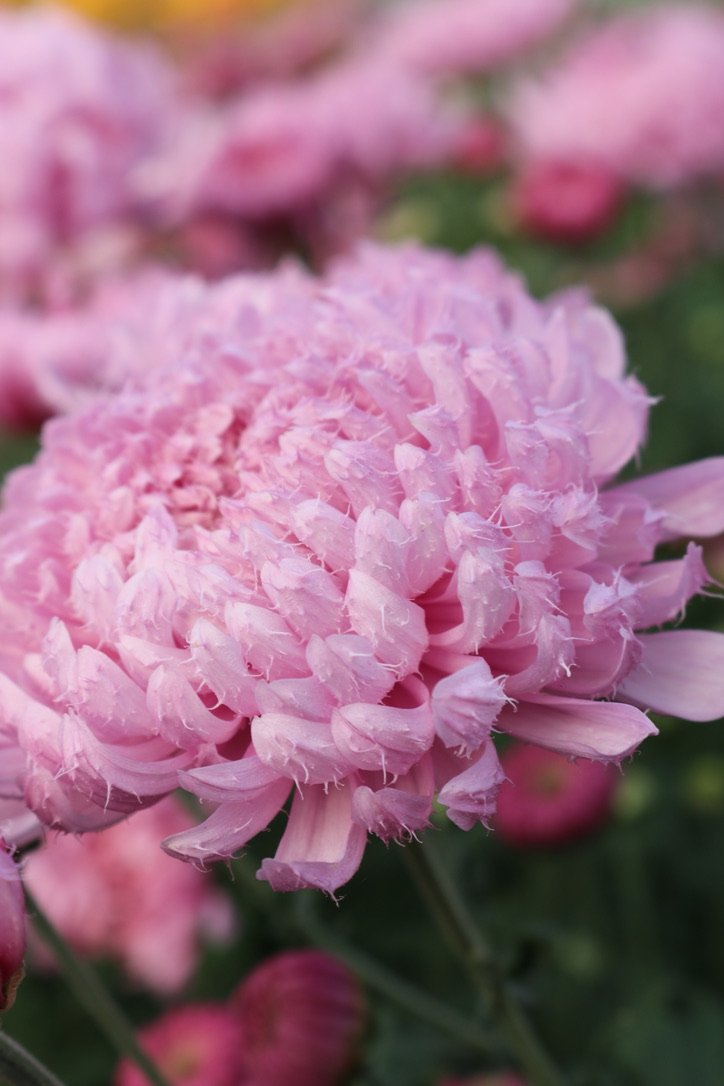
(601, 730)
(681, 673)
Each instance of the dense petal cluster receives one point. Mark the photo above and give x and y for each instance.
(113, 895)
(70, 142)
(640, 96)
(344, 530)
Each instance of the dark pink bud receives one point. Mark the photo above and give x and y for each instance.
(480, 148)
(549, 799)
(12, 928)
(302, 1014)
(565, 201)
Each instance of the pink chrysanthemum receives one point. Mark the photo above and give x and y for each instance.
(301, 1015)
(195, 1045)
(548, 799)
(344, 532)
(111, 894)
(12, 928)
(640, 97)
(459, 37)
(79, 110)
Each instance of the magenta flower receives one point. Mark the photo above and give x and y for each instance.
(301, 1014)
(548, 799)
(343, 532)
(113, 894)
(12, 928)
(195, 1045)
(79, 112)
(639, 98)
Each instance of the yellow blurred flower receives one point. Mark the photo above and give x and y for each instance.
(173, 13)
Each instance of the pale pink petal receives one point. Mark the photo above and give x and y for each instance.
(298, 749)
(231, 825)
(470, 796)
(601, 730)
(691, 497)
(681, 673)
(384, 737)
(465, 705)
(664, 588)
(322, 847)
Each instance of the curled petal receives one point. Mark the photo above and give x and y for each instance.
(664, 588)
(322, 847)
(394, 625)
(230, 826)
(348, 667)
(465, 704)
(383, 737)
(298, 749)
(179, 715)
(470, 796)
(681, 673)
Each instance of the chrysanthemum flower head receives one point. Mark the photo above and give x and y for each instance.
(301, 1015)
(12, 928)
(547, 799)
(195, 1045)
(345, 531)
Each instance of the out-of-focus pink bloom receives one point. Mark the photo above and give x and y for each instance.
(79, 110)
(301, 1014)
(344, 529)
(278, 151)
(640, 97)
(459, 37)
(195, 1045)
(112, 894)
(283, 44)
(548, 799)
(566, 201)
(12, 928)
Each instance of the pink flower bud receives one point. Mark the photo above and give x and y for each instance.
(302, 1013)
(196, 1045)
(569, 202)
(12, 929)
(550, 800)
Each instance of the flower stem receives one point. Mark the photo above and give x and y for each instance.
(464, 938)
(19, 1068)
(398, 991)
(92, 994)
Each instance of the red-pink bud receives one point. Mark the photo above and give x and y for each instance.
(550, 800)
(196, 1045)
(302, 1013)
(565, 201)
(12, 928)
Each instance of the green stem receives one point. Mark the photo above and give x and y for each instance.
(94, 997)
(461, 931)
(19, 1068)
(398, 991)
